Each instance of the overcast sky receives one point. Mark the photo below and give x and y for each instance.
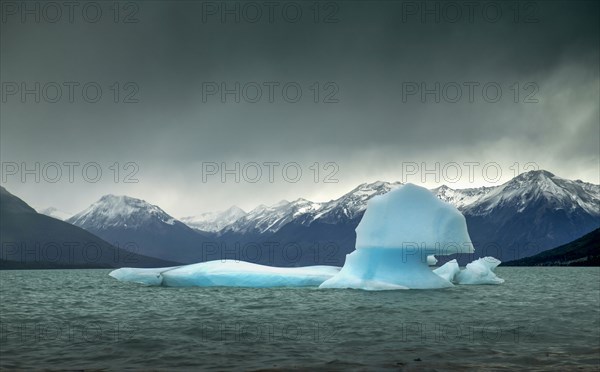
(366, 58)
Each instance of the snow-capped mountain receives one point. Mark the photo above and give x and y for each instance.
(123, 220)
(19, 223)
(520, 192)
(120, 211)
(352, 204)
(528, 214)
(264, 219)
(269, 219)
(214, 221)
(461, 198)
(56, 213)
(532, 212)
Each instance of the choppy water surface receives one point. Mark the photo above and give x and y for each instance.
(541, 318)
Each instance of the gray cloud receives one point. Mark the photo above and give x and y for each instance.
(369, 53)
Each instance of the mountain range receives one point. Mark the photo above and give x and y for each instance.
(532, 212)
(33, 240)
(214, 221)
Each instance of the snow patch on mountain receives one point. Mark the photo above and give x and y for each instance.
(461, 198)
(120, 211)
(354, 203)
(271, 218)
(523, 190)
(214, 221)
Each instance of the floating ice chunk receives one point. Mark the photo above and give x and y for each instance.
(228, 273)
(448, 270)
(384, 268)
(141, 276)
(397, 233)
(431, 260)
(396, 239)
(411, 216)
(244, 274)
(480, 271)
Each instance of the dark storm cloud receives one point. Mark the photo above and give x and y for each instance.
(372, 49)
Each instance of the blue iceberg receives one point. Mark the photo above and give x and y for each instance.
(228, 273)
(480, 271)
(397, 235)
(396, 241)
(448, 271)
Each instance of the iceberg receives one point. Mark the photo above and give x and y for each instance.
(396, 242)
(448, 270)
(228, 273)
(397, 233)
(385, 268)
(142, 276)
(411, 216)
(480, 271)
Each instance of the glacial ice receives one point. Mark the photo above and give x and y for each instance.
(228, 273)
(410, 217)
(152, 276)
(385, 268)
(448, 270)
(396, 241)
(396, 234)
(480, 271)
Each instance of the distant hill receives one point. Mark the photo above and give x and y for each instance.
(584, 251)
(30, 240)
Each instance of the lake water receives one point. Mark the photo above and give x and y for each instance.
(541, 318)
